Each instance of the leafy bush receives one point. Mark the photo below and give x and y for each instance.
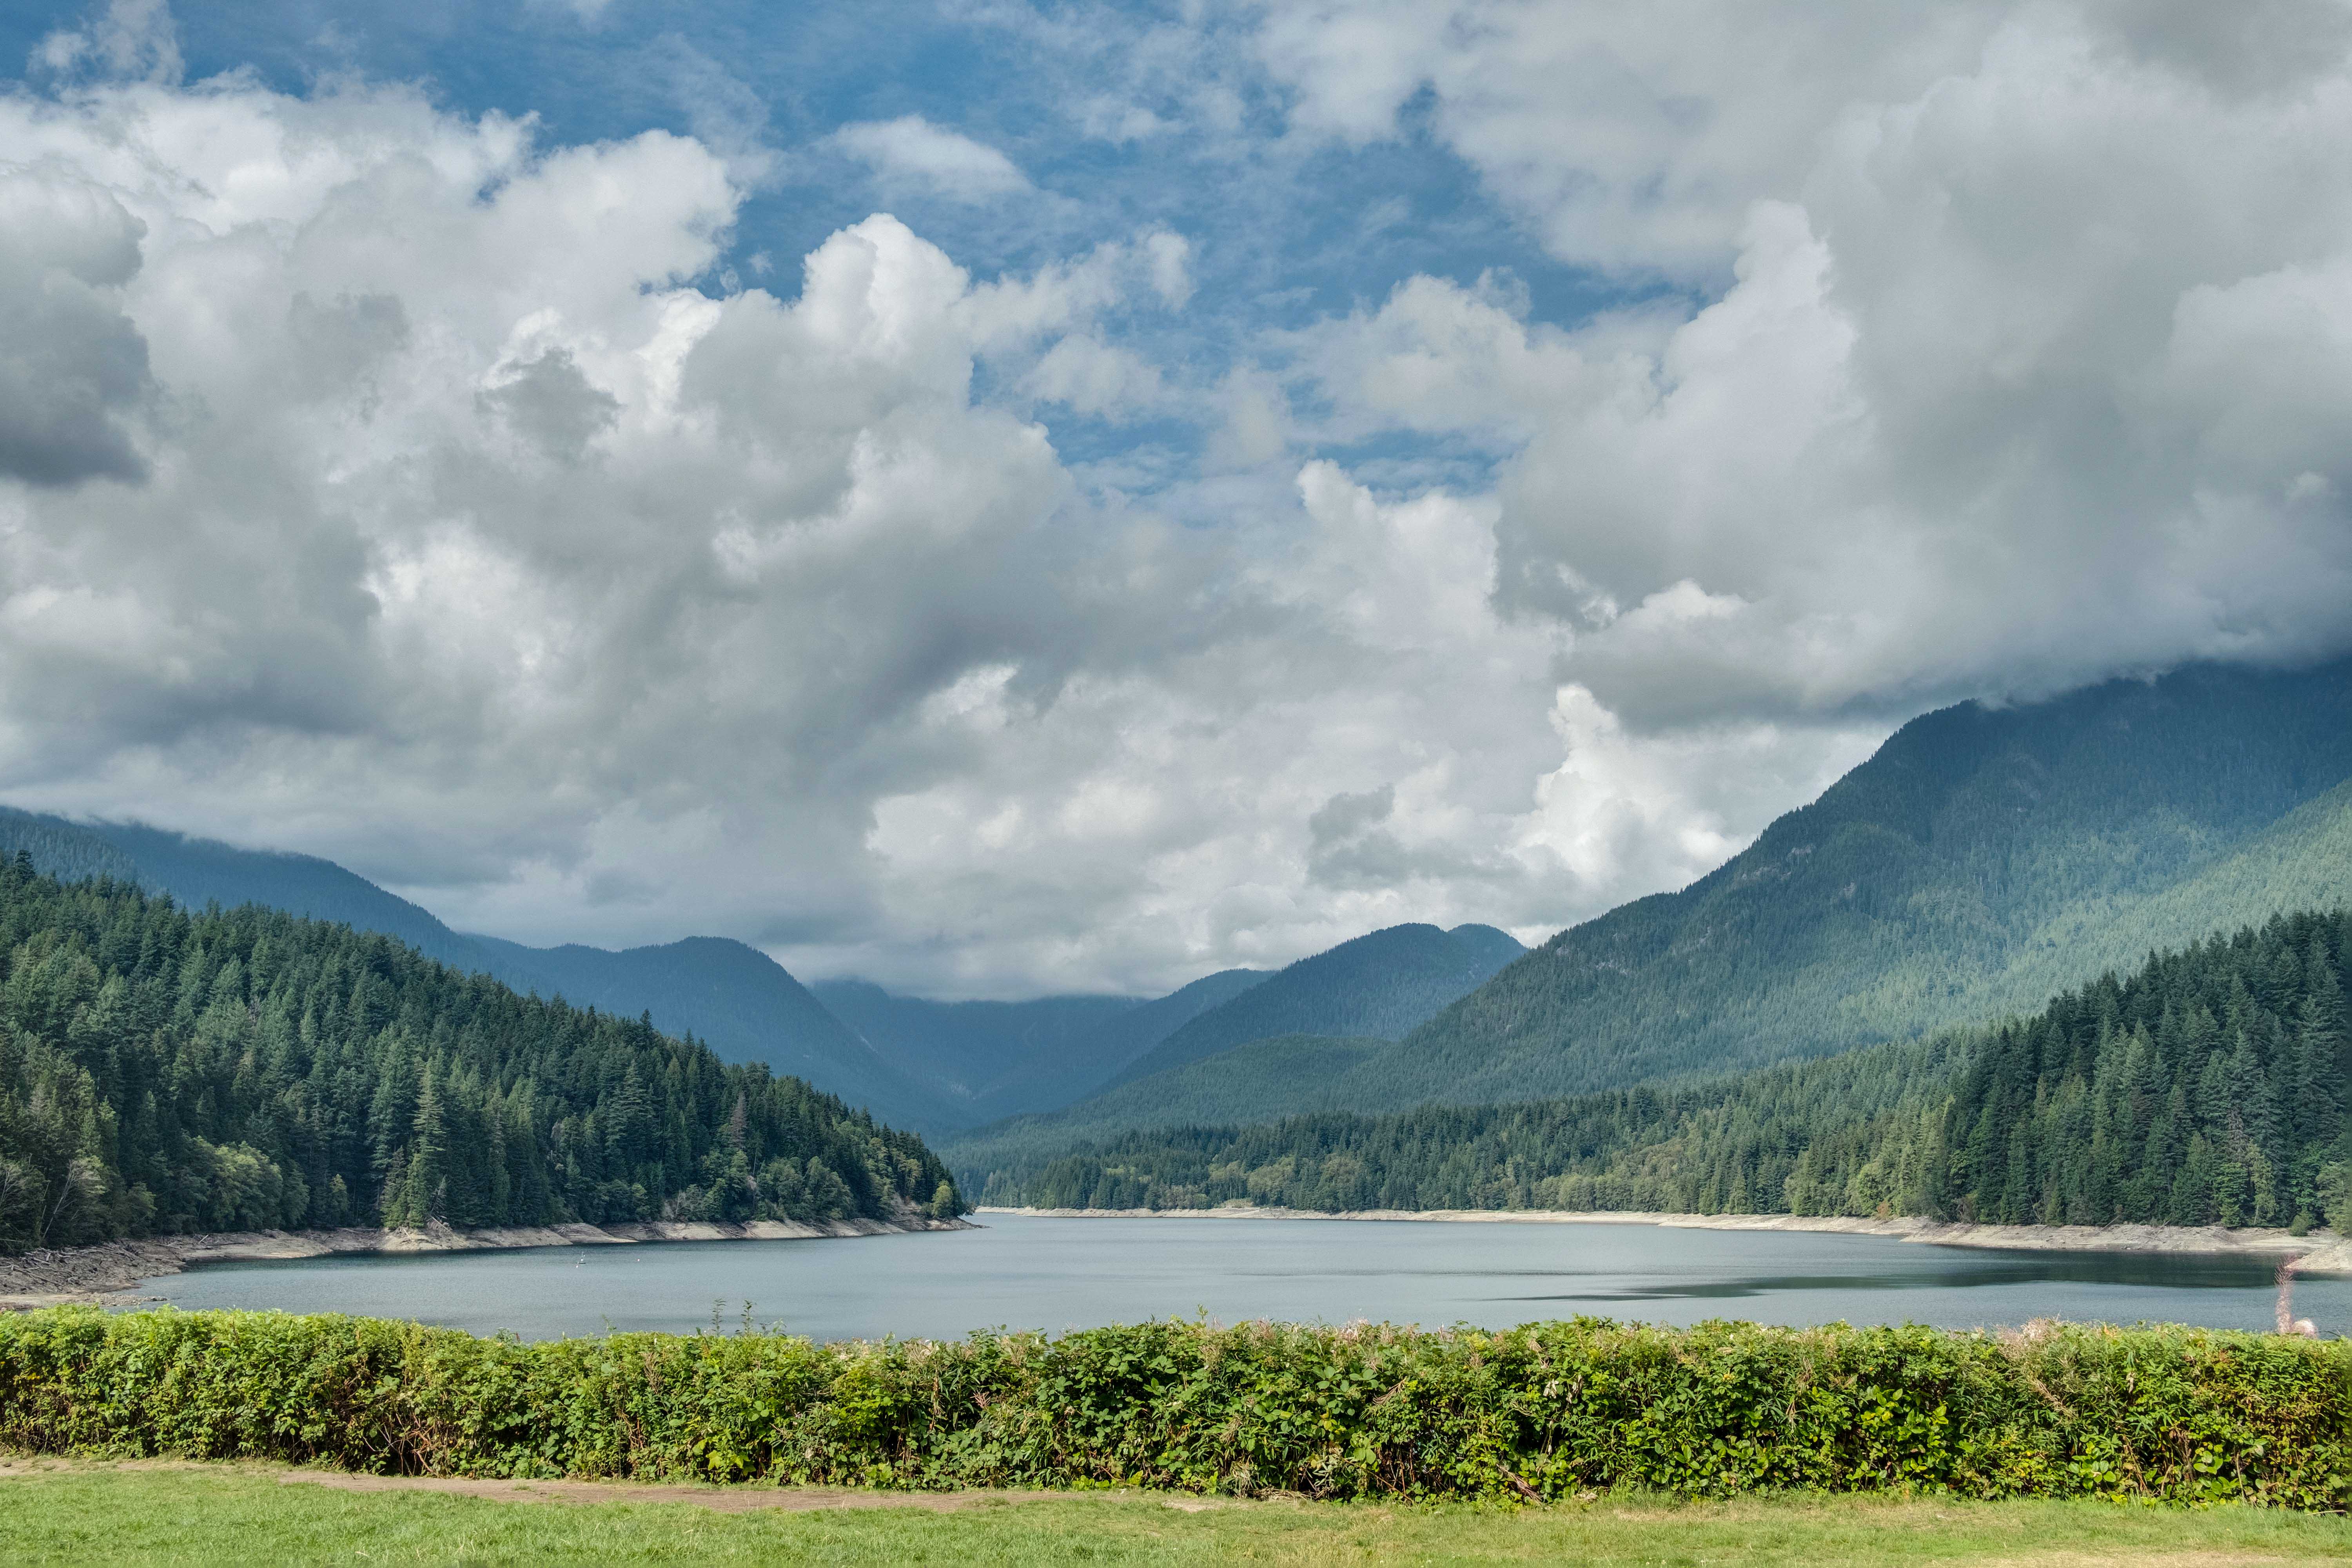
(1546, 1410)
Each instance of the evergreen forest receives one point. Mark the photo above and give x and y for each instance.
(1983, 861)
(731, 997)
(2207, 1087)
(164, 1071)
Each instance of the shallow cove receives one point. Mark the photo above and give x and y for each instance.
(1025, 1271)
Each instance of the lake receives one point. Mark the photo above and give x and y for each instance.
(1025, 1271)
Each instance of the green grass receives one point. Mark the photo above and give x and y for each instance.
(64, 1512)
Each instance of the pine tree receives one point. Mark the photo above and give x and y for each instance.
(428, 1158)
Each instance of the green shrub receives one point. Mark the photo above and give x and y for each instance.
(1546, 1410)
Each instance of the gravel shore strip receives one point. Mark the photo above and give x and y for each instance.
(109, 1272)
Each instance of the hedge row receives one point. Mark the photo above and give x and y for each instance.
(1548, 1410)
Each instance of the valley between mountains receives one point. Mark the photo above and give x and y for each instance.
(2078, 963)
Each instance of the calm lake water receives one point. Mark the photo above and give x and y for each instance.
(1057, 1274)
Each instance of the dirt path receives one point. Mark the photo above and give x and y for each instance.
(742, 1499)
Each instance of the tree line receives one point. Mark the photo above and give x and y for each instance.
(2210, 1086)
(164, 1071)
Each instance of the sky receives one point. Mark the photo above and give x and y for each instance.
(1003, 497)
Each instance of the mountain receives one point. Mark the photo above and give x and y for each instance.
(1379, 985)
(1126, 1037)
(60, 849)
(1278, 1047)
(1489, 948)
(1983, 858)
(735, 998)
(1259, 1081)
(974, 1052)
(2210, 1086)
(927, 1065)
(197, 871)
(991, 1060)
(240, 1069)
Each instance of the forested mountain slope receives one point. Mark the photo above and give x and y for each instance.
(736, 999)
(1377, 985)
(198, 872)
(244, 1068)
(976, 1056)
(1700, 1145)
(743, 1004)
(1256, 1081)
(1279, 1047)
(1125, 1039)
(993, 1059)
(63, 849)
(927, 1065)
(1982, 859)
(2210, 1087)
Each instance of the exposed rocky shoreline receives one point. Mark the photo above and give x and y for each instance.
(2321, 1252)
(110, 1272)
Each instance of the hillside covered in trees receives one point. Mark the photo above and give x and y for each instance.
(1264, 1080)
(733, 997)
(1378, 987)
(165, 1071)
(2210, 1087)
(1284, 1045)
(1985, 860)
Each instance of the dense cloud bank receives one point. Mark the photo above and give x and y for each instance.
(388, 482)
(2021, 350)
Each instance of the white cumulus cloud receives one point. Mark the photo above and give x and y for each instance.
(913, 151)
(389, 483)
(2019, 374)
(413, 506)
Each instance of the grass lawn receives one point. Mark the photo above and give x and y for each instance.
(70, 1512)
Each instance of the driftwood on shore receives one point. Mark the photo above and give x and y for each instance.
(2320, 1252)
(109, 1269)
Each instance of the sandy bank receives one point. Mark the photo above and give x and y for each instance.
(2321, 1252)
(96, 1273)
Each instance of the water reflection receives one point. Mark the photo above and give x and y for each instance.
(2174, 1272)
(1057, 1274)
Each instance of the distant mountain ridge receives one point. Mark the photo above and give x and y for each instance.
(1252, 1083)
(177, 1071)
(1277, 1048)
(197, 871)
(993, 1059)
(1377, 985)
(930, 1066)
(734, 998)
(741, 1002)
(1982, 859)
(2205, 1086)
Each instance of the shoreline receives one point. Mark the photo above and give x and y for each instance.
(107, 1273)
(2322, 1252)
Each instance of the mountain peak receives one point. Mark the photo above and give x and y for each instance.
(1982, 859)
